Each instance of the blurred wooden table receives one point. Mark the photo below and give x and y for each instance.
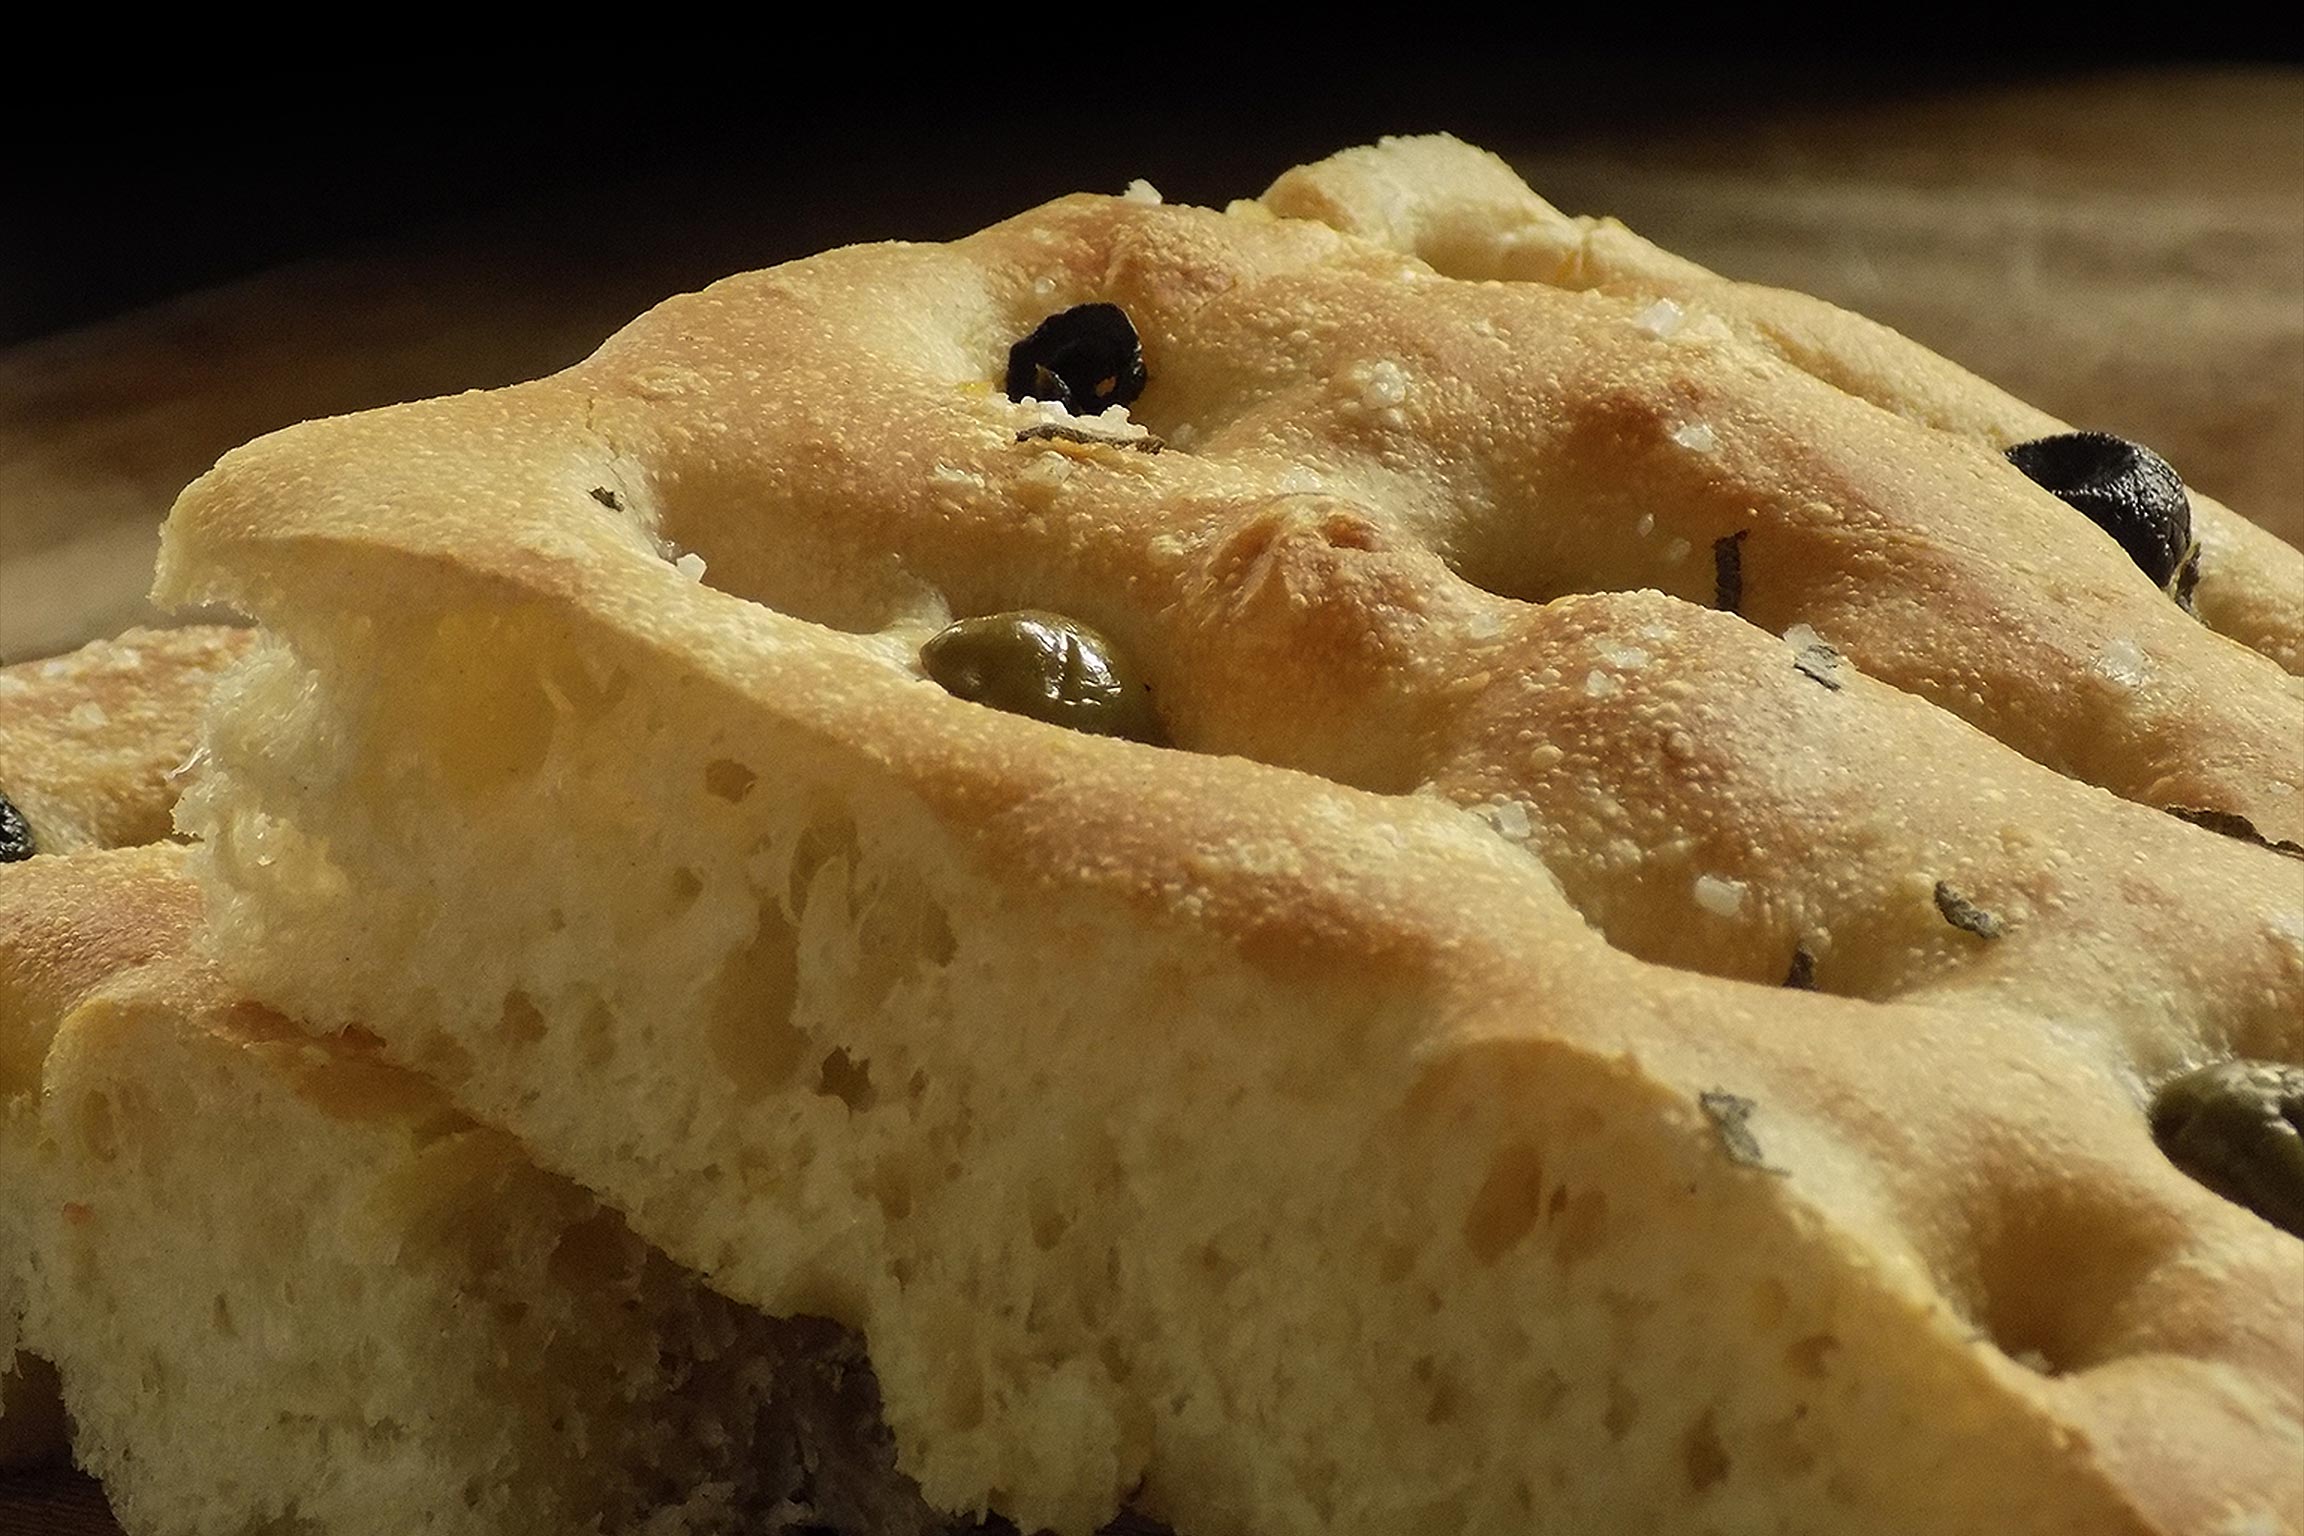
(2127, 252)
(2124, 251)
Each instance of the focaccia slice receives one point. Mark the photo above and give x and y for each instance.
(286, 1285)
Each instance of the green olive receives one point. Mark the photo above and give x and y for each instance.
(1047, 667)
(2238, 1127)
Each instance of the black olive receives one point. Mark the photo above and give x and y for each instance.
(1045, 667)
(2128, 491)
(15, 834)
(2238, 1127)
(1084, 358)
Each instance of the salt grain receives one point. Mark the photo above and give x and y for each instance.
(690, 565)
(88, 717)
(1384, 383)
(1141, 191)
(1508, 818)
(1695, 436)
(2122, 663)
(1661, 318)
(1629, 657)
(1719, 896)
(1600, 685)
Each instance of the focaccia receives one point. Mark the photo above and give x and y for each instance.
(286, 1286)
(91, 751)
(1410, 869)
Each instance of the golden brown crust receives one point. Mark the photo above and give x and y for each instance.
(90, 743)
(1355, 561)
(1469, 215)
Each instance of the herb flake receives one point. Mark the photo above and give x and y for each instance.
(1731, 1116)
(1965, 915)
(1063, 432)
(2234, 825)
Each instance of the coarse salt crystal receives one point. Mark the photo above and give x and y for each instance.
(1485, 625)
(1141, 191)
(1618, 654)
(1043, 286)
(2122, 662)
(1695, 436)
(1676, 551)
(1600, 685)
(88, 717)
(690, 565)
(1507, 818)
(1646, 525)
(1183, 435)
(1661, 318)
(1803, 637)
(1384, 383)
(1719, 895)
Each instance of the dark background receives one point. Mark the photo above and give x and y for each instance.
(2113, 233)
(121, 207)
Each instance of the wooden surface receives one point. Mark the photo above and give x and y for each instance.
(2127, 252)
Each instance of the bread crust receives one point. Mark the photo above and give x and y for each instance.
(92, 743)
(1395, 564)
